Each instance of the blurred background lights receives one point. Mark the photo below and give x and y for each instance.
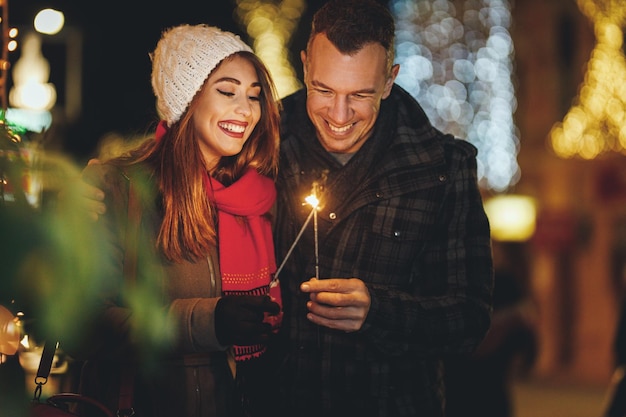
(49, 21)
(12, 43)
(31, 89)
(456, 59)
(596, 122)
(511, 217)
(270, 25)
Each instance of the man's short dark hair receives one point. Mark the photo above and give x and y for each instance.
(352, 24)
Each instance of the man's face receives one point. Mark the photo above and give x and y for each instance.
(344, 92)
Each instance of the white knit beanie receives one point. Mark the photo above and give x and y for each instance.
(183, 59)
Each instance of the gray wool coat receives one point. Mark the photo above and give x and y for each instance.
(186, 374)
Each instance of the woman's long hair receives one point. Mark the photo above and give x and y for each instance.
(188, 230)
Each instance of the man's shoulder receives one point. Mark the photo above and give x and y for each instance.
(459, 145)
(413, 118)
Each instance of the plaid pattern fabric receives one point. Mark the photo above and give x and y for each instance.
(404, 215)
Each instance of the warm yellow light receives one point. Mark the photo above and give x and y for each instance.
(34, 96)
(31, 89)
(270, 26)
(594, 124)
(49, 21)
(9, 332)
(512, 217)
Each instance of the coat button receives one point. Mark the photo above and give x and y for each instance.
(443, 178)
(332, 216)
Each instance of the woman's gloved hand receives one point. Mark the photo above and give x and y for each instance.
(239, 319)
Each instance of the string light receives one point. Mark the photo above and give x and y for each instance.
(596, 123)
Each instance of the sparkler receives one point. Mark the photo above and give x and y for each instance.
(314, 203)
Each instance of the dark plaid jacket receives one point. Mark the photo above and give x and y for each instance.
(404, 215)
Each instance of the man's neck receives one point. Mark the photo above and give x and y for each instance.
(342, 158)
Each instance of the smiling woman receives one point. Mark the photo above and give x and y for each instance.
(211, 164)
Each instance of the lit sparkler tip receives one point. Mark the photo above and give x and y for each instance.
(312, 201)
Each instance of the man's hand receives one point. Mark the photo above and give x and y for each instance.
(76, 193)
(337, 303)
(93, 197)
(93, 200)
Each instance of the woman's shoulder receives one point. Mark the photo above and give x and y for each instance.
(105, 175)
(115, 180)
(112, 174)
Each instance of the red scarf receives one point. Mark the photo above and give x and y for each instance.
(246, 246)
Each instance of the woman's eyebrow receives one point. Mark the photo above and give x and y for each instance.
(235, 81)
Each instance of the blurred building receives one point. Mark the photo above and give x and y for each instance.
(582, 202)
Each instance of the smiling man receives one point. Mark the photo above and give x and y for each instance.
(404, 255)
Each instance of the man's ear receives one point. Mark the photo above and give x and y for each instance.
(395, 69)
(303, 59)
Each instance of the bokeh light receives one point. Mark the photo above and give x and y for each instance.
(595, 123)
(456, 59)
(512, 218)
(270, 25)
(49, 21)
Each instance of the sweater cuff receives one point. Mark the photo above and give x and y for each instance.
(195, 319)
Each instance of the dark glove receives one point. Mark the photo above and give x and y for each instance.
(239, 319)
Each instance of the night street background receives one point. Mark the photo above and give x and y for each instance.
(117, 37)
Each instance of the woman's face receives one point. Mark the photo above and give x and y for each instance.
(228, 109)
